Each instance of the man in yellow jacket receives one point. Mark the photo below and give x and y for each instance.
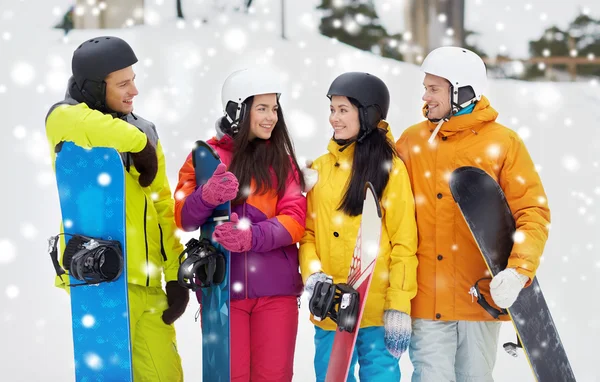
(97, 112)
(454, 338)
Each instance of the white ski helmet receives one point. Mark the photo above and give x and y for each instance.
(463, 69)
(243, 84)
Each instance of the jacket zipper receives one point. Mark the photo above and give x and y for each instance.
(146, 240)
(245, 258)
(162, 246)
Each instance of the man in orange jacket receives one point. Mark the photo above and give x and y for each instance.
(454, 338)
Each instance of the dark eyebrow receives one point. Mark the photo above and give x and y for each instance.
(265, 105)
(125, 81)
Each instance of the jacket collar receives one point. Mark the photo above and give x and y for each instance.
(483, 113)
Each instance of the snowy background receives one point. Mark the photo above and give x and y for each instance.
(180, 73)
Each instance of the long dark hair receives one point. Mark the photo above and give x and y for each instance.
(254, 160)
(372, 162)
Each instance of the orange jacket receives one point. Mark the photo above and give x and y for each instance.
(449, 259)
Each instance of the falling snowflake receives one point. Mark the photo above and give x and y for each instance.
(304, 125)
(28, 231)
(493, 151)
(519, 237)
(244, 224)
(570, 163)
(524, 132)
(235, 39)
(23, 73)
(93, 361)
(88, 321)
(179, 195)
(447, 176)
(338, 219)
(420, 199)
(237, 287)
(104, 179)
(246, 191)
(12, 291)
(387, 165)
(152, 17)
(8, 251)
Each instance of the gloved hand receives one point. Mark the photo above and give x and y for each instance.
(146, 163)
(234, 236)
(177, 298)
(310, 176)
(311, 281)
(398, 328)
(506, 286)
(222, 187)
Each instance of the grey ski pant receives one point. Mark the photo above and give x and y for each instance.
(453, 351)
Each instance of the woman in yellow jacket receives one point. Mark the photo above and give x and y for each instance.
(454, 338)
(362, 150)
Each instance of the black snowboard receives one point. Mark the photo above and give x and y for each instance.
(484, 207)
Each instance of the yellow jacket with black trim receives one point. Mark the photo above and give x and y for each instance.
(152, 246)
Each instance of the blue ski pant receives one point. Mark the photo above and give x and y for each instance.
(376, 364)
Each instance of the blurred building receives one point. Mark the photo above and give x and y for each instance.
(112, 14)
(433, 23)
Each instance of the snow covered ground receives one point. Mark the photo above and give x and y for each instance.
(180, 73)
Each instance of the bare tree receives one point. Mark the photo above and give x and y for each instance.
(282, 19)
(179, 10)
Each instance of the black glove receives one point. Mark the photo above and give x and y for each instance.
(146, 163)
(177, 297)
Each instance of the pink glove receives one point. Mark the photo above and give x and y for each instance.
(222, 187)
(234, 236)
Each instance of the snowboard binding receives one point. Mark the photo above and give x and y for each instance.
(475, 292)
(337, 301)
(88, 259)
(511, 347)
(203, 267)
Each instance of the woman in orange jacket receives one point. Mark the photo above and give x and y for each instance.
(453, 338)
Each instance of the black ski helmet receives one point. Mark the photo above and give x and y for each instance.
(370, 92)
(95, 59)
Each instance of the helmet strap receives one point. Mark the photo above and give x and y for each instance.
(239, 109)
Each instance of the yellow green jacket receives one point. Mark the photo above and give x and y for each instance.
(328, 242)
(152, 247)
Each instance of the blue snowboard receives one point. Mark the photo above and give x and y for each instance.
(91, 188)
(215, 300)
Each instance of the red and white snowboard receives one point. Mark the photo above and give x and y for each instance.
(361, 272)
